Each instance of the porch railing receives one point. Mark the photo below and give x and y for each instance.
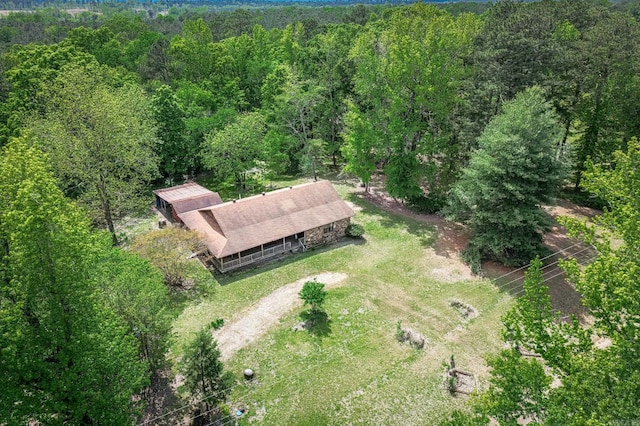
(251, 258)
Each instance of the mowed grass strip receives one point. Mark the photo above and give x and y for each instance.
(356, 373)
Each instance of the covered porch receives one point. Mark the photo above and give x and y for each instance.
(292, 243)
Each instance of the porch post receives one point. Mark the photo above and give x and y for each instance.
(283, 244)
(262, 249)
(222, 264)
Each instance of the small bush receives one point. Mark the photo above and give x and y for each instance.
(217, 324)
(414, 338)
(399, 332)
(354, 230)
(314, 294)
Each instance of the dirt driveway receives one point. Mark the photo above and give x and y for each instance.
(256, 321)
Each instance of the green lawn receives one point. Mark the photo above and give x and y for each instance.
(357, 373)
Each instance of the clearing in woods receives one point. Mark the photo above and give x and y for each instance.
(355, 371)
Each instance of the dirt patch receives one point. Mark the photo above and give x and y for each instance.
(257, 320)
(453, 237)
(161, 398)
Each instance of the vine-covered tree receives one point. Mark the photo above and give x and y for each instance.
(511, 175)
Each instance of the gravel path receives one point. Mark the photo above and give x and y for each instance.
(255, 322)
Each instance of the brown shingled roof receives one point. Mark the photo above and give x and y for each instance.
(188, 196)
(232, 227)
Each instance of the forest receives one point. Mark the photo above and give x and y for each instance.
(479, 112)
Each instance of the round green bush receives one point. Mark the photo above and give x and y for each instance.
(354, 230)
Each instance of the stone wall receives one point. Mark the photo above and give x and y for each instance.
(322, 235)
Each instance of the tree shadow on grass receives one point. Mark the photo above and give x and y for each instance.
(317, 323)
(390, 218)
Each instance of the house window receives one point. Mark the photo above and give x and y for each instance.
(327, 229)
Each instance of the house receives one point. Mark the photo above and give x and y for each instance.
(171, 202)
(241, 232)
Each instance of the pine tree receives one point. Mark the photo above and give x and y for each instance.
(510, 176)
(203, 371)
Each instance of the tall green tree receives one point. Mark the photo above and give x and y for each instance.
(101, 141)
(235, 149)
(509, 177)
(134, 290)
(32, 70)
(203, 371)
(294, 114)
(605, 113)
(65, 357)
(177, 156)
(595, 384)
(328, 61)
(407, 79)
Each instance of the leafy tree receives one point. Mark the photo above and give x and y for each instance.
(100, 140)
(176, 156)
(312, 155)
(328, 61)
(293, 115)
(509, 177)
(203, 371)
(65, 357)
(156, 63)
(518, 389)
(596, 384)
(605, 113)
(169, 250)
(101, 43)
(252, 62)
(34, 68)
(314, 294)
(407, 80)
(363, 149)
(192, 52)
(134, 289)
(235, 149)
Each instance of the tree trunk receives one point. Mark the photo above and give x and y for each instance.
(593, 131)
(106, 208)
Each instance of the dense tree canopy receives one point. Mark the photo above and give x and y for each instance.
(65, 358)
(480, 111)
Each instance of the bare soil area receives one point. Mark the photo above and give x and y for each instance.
(256, 321)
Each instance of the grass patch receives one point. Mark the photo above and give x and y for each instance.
(354, 370)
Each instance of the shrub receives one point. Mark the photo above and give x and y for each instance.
(169, 250)
(354, 230)
(217, 324)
